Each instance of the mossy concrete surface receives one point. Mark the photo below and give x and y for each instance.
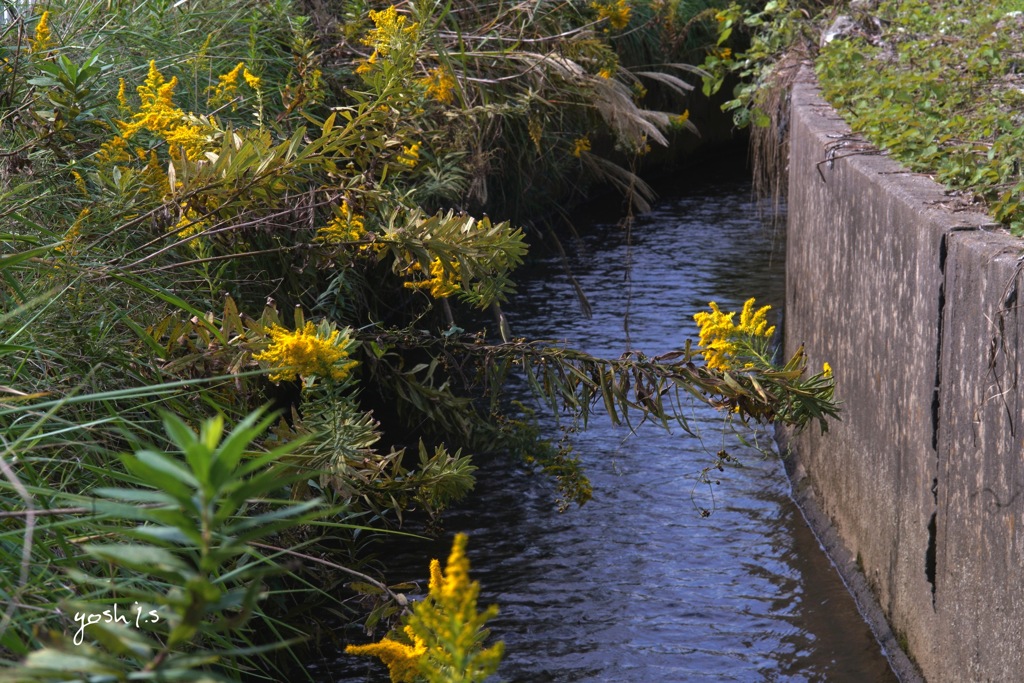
(914, 303)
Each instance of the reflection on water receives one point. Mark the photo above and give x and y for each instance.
(636, 585)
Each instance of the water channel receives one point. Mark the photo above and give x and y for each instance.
(636, 585)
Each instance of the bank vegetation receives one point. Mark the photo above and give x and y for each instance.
(242, 244)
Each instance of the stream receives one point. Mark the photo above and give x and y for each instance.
(636, 585)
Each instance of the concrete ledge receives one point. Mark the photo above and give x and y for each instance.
(846, 565)
(906, 299)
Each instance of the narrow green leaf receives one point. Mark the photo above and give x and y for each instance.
(49, 659)
(143, 558)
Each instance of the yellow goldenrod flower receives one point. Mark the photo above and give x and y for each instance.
(580, 145)
(440, 85)
(444, 632)
(346, 226)
(251, 79)
(826, 370)
(186, 135)
(754, 323)
(410, 155)
(456, 573)
(402, 660)
(605, 73)
(227, 86)
(122, 99)
(442, 282)
(436, 577)
(113, 151)
(450, 624)
(617, 13)
(68, 244)
(721, 339)
(80, 183)
(390, 26)
(535, 128)
(716, 331)
(366, 66)
(680, 120)
(43, 38)
(188, 225)
(157, 112)
(304, 353)
(725, 53)
(188, 141)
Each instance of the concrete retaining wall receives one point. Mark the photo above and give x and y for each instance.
(915, 305)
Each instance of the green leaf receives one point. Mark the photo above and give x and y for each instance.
(161, 472)
(49, 659)
(142, 558)
(144, 496)
(122, 640)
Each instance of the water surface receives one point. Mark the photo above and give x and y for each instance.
(637, 585)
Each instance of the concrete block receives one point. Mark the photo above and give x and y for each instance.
(900, 294)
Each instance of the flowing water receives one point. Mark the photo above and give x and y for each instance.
(636, 585)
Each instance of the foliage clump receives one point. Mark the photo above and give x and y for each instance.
(936, 85)
(206, 208)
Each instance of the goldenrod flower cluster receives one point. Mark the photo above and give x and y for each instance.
(227, 86)
(403, 661)
(226, 89)
(43, 38)
(680, 120)
(722, 341)
(80, 183)
(390, 27)
(123, 107)
(157, 112)
(251, 79)
(442, 283)
(188, 140)
(304, 353)
(580, 145)
(439, 84)
(116, 151)
(535, 128)
(444, 631)
(69, 244)
(410, 155)
(158, 115)
(367, 65)
(188, 225)
(346, 226)
(616, 12)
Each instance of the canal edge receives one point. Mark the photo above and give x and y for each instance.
(802, 493)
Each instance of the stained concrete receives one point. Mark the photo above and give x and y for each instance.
(913, 304)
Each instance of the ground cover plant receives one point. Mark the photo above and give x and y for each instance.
(240, 243)
(935, 84)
